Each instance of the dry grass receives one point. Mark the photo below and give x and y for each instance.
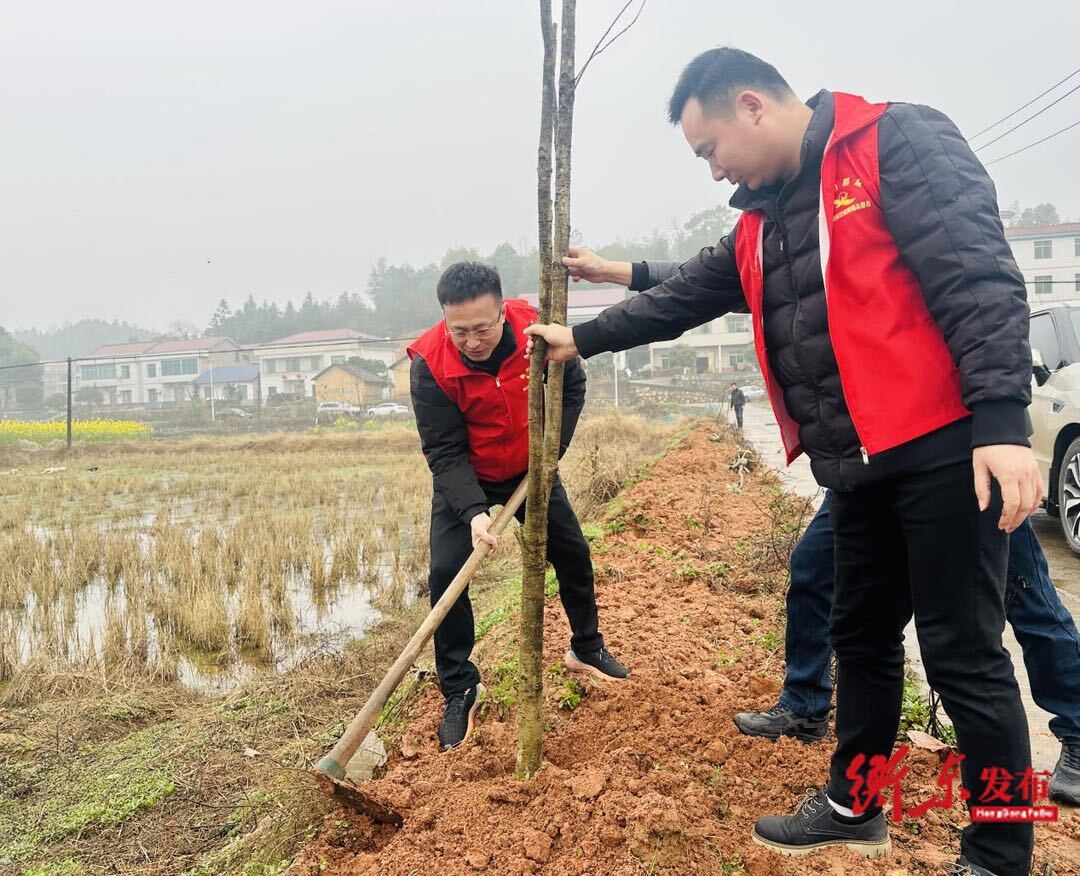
(608, 453)
(141, 555)
(195, 553)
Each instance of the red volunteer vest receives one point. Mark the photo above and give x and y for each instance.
(899, 379)
(495, 407)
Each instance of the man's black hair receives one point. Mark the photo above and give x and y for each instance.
(716, 76)
(464, 281)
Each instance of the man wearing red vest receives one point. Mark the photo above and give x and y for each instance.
(469, 386)
(890, 323)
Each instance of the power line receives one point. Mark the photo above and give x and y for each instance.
(347, 342)
(1024, 107)
(1028, 119)
(1036, 143)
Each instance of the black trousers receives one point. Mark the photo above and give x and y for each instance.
(738, 415)
(567, 551)
(920, 545)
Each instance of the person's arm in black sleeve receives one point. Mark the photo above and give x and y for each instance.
(651, 272)
(703, 288)
(942, 210)
(445, 442)
(573, 402)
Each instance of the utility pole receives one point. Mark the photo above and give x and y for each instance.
(69, 403)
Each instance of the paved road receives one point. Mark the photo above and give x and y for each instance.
(760, 429)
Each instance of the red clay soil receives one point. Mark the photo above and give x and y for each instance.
(650, 775)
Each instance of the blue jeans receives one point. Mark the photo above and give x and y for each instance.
(1043, 626)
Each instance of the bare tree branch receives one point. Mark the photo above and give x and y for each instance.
(601, 46)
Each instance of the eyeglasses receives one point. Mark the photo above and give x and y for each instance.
(483, 333)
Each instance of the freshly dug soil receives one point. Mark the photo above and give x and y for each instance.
(649, 775)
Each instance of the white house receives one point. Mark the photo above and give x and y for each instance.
(1049, 257)
(153, 372)
(724, 344)
(54, 376)
(289, 365)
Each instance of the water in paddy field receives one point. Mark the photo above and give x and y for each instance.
(303, 618)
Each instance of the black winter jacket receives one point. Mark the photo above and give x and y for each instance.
(942, 210)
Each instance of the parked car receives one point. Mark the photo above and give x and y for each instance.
(327, 412)
(232, 414)
(1055, 411)
(753, 393)
(387, 409)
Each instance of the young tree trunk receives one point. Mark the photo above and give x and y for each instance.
(544, 425)
(559, 275)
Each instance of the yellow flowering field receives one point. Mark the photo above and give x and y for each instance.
(81, 430)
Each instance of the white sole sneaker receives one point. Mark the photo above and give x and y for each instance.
(573, 664)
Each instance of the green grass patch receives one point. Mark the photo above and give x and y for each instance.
(723, 658)
(551, 584)
(502, 692)
(101, 786)
(253, 852)
(915, 713)
(593, 532)
(61, 867)
(567, 690)
(494, 617)
(771, 641)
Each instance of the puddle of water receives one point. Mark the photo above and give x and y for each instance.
(323, 617)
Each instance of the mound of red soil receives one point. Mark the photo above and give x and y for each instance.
(649, 775)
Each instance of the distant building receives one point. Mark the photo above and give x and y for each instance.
(1049, 258)
(54, 376)
(349, 383)
(153, 372)
(171, 372)
(724, 344)
(289, 365)
(399, 376)
(229, 383)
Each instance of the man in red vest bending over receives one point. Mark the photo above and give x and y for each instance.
(891, 326)
(469, 385)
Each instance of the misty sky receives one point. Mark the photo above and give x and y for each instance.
(159, 156)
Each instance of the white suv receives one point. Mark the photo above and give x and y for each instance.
(387, 409)
(1055, 411)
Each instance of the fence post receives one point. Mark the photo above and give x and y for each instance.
(69, 403)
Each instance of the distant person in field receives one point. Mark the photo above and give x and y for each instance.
(469, 385)
(737, 401)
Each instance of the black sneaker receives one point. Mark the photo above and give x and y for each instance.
(457, 719)
(599, 664)
(813, 827)
(781, 721)
(1065, 781)
(964, 867)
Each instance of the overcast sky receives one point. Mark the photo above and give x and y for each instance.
(159, 156)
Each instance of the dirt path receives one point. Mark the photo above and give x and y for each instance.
(648, 776)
